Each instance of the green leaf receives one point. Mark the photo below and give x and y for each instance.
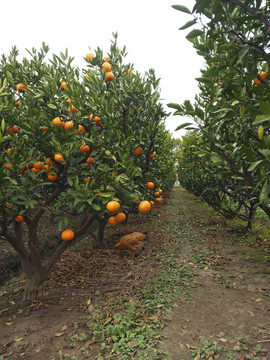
(261, 118)
(188, 105)
(204, 80)
(181, 8)
(254, 165)
(243, 52)
(95, 207)
(182, 126)
(194, 33)
(187, 25)
(174, 106)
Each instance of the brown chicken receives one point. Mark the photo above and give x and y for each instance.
(132, 242)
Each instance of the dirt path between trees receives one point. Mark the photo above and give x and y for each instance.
(227, 312)
(224, 312)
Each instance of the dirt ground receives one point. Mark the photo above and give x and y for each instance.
(228, 304)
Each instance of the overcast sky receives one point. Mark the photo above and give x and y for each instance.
(148, 29)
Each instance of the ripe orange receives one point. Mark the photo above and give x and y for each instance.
(17, 104)
(106, 66)
(120, 217)
(19, 219)
(9, 206)
(160, 191)
(158, 200)
(52, 177)
(130, 71)
(183, 148)
(68, 125)
(84, 148)
(68, 235)
(150, 185)
(7, 165)
(112, 220)
(57, 121)
(153, 155)
(144, 206)
(263, 74)
(9, 150)
(39, 165)
(9, 130)
(45, 128)
(35, 170)
(107, 59)
(47, 168)
(152, 203)
(81, 130)
(109, 76)
(49, 161)
(89, 56)
(90, 161)
(137, 151)
(21, 87)
(113, 206)
(58, 157)
(63, 85)
(15, 128)
(72, 109)
(87, 180)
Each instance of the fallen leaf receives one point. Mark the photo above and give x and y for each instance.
(189, 347)
(64, 328)
(88, 302)
(259, 299)
(206, 268)
(8, 324)
(19, 339)
(182, 347)
(223, 340)
(197, 357)
(59, 334)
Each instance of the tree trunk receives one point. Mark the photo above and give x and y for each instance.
(251, 218)
(34, 286)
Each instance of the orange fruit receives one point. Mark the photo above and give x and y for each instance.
(120, 217)
(81, 130)
(52, 177)
(90, 161)
(113, 206)
(130, 71)
(15, 128)
(49, 161)
(67, 235)
(39, 165)
(107, 59)
(17, 104)
(72, 109)
(84, 148)
(89, 56)
(58, 157)
(87, 180)
(35, 170)
(21, 87)
(68, 125)
(112, 220)
(137, 151)
(150, 185)
(57, 121)
(9, 150)
(144, 206)
(45, 128)
(9, 130)
(157, 193)
(152, 203)
(7, 165)
(106, 66)
(63, 85)
(19, 219)
(160, 191)
(158, 200)
(263, 75)
(183, 148)
(153, 155)
(109, 76)
(9, 206)
(47, 169)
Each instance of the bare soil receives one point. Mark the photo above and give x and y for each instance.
(228, 303)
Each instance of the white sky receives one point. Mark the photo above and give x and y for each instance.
(148, 29)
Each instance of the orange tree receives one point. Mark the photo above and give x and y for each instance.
(67, 147)
(232, 110)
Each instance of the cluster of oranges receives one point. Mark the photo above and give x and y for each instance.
(263, 76)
